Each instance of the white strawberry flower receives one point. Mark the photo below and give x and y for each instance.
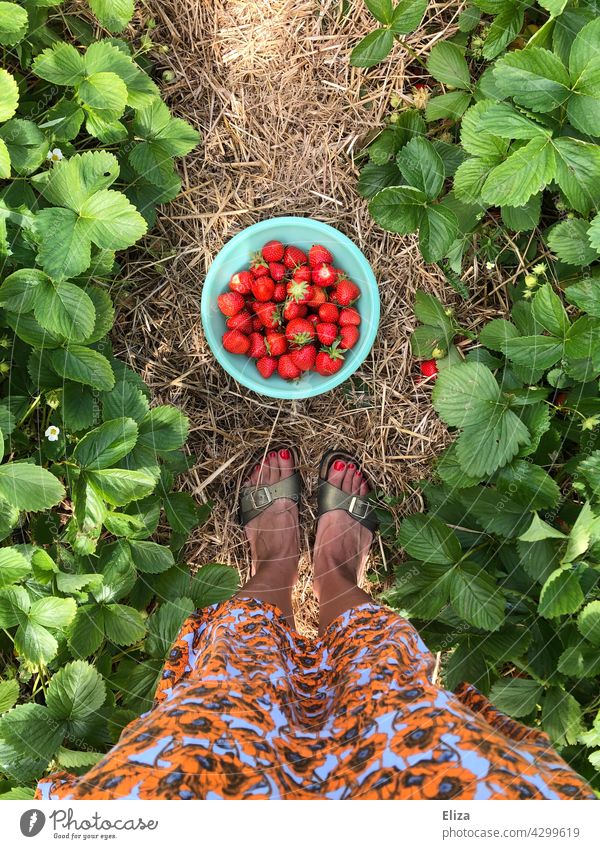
(490, 266)
(52, 433)
(54, 155)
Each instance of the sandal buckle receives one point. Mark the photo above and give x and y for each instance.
(260, 497)
(358, 507)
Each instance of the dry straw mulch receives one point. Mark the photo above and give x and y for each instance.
(283, 118)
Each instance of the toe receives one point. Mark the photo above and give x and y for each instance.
(348, 477)
(364, 488)
(286, 462)
(273, 470)
(357, 481)
(252, 479)
(336, 473)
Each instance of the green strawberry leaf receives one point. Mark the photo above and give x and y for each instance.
(9, 95)
(535, 78)
(76, 691)
(478, 142)
(64, 309)
(163, 429)
(516, 696)
(29, 739)
(13, 23)
(120, 486)
(569, 241)
(527, 170)
(504, 121)
(561, 716)
(114, 15)
(104, 446)
(13, 566)
(437, 231)
(451, 105)
(422, 167)
(83, 365)
(407, 16)
(123, 625)
(578, 173)
(373, 48)
(446, 62)
(29, 487)
(429, 539)
(398, 209)
(560, 594)
(475, 597)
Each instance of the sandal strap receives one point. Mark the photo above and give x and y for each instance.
(329, 498)
(254, 500)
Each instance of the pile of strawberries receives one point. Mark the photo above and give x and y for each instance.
(290, 312)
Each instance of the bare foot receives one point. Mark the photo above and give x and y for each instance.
(341, 549)
(273, 537)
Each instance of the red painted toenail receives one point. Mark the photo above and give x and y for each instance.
(339, 465)
(358, 473)
(272, 453)
(257, 468)
(284, 454)
(350, 465)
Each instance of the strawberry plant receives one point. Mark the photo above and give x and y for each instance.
(87, 462)
(397, 19)
(504, 567)
(500, 158)
(497, 160)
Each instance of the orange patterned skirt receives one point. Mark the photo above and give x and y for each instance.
(248, 709)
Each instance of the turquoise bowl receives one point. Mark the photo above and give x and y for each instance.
(235, 256)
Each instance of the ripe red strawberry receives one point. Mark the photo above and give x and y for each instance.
(257, 323)
(429, 368)
(235, 342)
(269, 315)
(302, 274)
(230, 303)
(318, 254)
(323, 275)
(299, 291)
(303, 311)
(293, 256)
(299, 331)
(329, 313)
(263, 288)
(329, 361)
(287, 369)
(279, 293)
(327, 333)
(293, 310)
(319, 296)
(304, 358)
(258, 266)
(241, 282)
(276, 343)
(277, 271)
(266, 366)
(350, 335)
(346, 292)
(273, 251)
(241, 321)
(313, 318)
(349, 316)
(257, 347)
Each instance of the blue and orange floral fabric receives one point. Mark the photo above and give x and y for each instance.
(248, 709)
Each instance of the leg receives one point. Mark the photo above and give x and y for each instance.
(273, 538)
(341, 550)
